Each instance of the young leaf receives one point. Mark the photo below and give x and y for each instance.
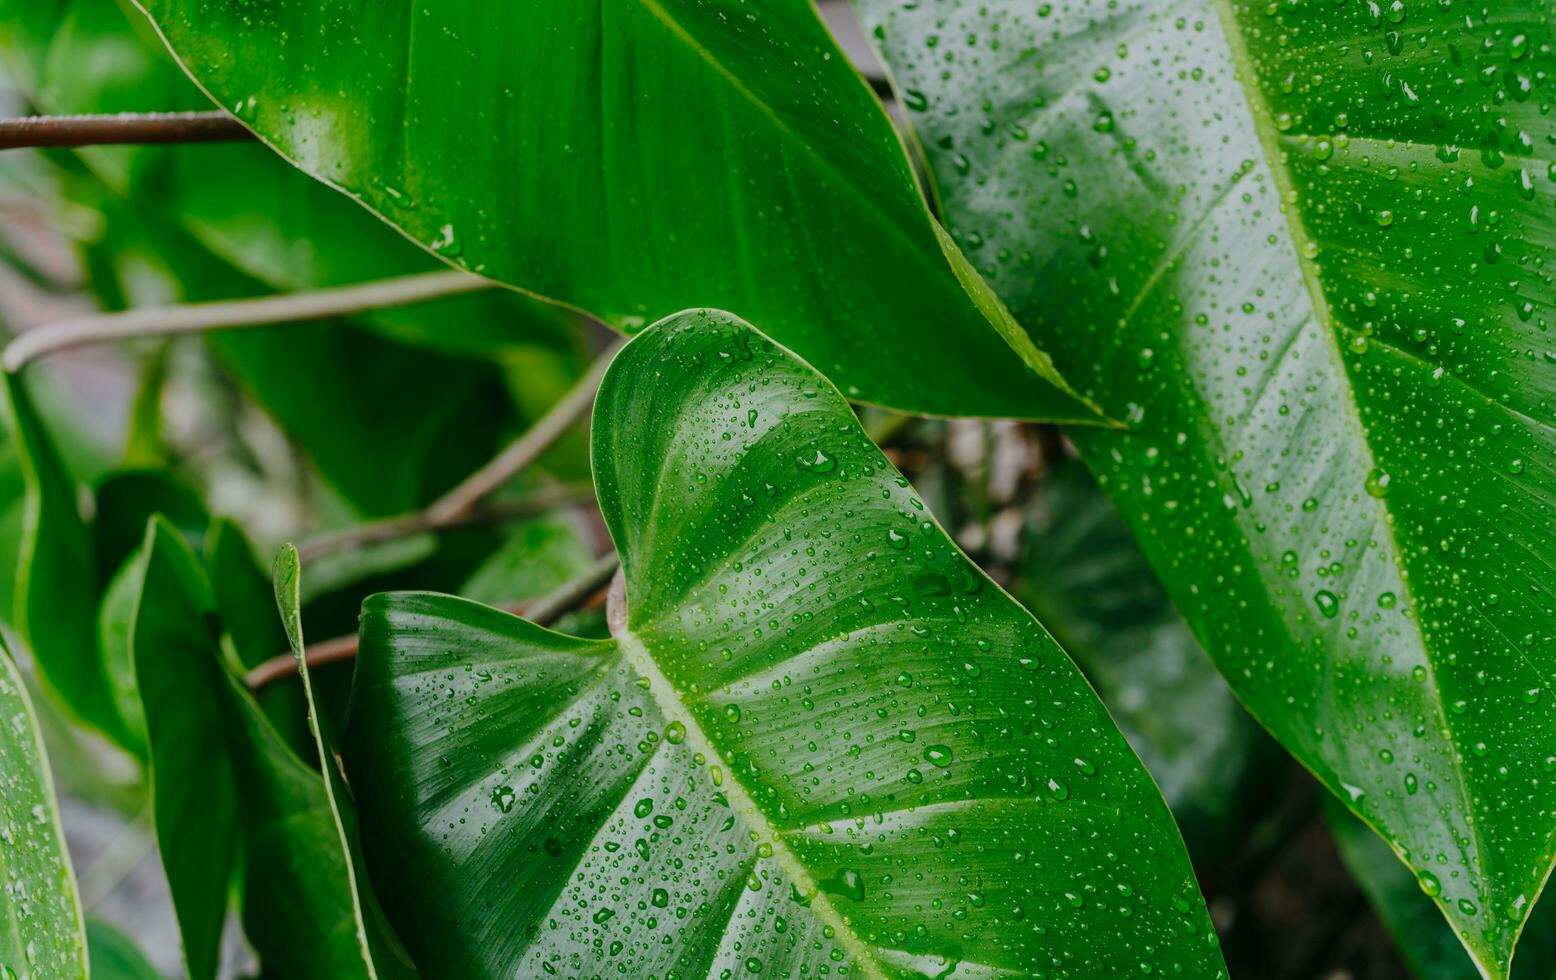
(224, 780)
(41, 932)
(1297, 246)
(193, 786)
(634, 159)
(823, 740)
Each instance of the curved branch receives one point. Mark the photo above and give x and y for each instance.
(231, 314)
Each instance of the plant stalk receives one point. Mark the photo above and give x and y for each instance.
(232, 314)
(124, 127)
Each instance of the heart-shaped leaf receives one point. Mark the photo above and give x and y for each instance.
(1301, 248)
(41, 932)
(822, 741)
(634, 159)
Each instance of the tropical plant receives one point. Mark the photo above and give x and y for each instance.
(626, 373)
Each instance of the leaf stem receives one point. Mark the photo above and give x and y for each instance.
(374, 532)
(124, 127)
(542, 612)
(231, 314)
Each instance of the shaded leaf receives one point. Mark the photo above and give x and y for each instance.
(40, 914)
(1297, 247)
(824, 740)
(114, 956)
(1085, 579)
(535, 556)
(633, 160)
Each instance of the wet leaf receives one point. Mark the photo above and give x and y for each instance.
(824, 740)
(1300, 248)
(634, 160)
(41, 935)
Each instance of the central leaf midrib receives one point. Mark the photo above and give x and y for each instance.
(1269, 145)
(742, 803)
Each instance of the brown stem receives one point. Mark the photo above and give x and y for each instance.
(542, 612)
(374, 532)
(127, 127)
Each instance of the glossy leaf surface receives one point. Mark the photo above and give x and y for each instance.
(41, 932)
(1300, 248)
(635, 159)
(824, 740)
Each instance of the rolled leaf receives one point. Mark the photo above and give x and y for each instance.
(823, 740)
(1298, 248)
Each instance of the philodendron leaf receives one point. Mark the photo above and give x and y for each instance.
(701, 152)
(1299, 247)
(823, 741)
(41, 932)
(224, 782)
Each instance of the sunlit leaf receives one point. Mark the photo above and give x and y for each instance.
(1299, 248)
(823, 740)
(41, 935)
(635, 159)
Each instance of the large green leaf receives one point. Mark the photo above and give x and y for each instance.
(41, 932)
(823, 740)
(634, 159)
(225, 782)
(1300, 247)
(283, 229)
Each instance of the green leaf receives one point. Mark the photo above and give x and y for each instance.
(41, 933)
(634, 160)
(57, 576)
(114, 956)
(193, 785)
(824, 740)
(382, 951)
(1085, 579)
(224, 781)
(1298, 248)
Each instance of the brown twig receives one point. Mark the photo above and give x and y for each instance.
(126, 127)
(526, 448)
(544, 611)
(494, 512)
